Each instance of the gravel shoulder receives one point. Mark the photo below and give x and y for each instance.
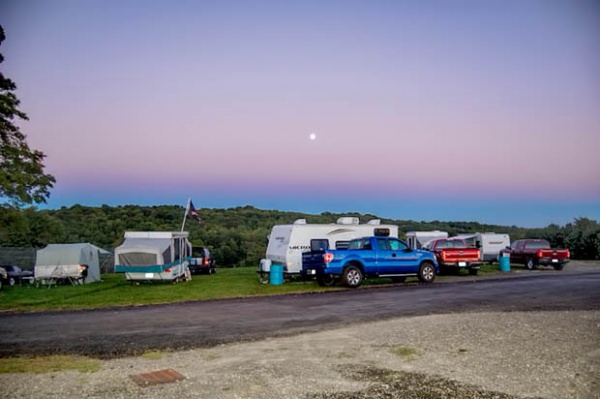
(474, 355)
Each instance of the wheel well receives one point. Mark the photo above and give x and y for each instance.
(356, 264)
(427, 261)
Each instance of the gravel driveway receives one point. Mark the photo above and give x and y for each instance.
(474, 355)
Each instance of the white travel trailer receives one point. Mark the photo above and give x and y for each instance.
(75, 263)
(418, 239)
(489, 244)
(154, 255)
(287, 242)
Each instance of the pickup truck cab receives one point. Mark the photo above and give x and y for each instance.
(370, 257)
(454, 254)
(535, 252)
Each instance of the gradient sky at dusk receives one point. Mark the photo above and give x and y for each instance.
(483, 111)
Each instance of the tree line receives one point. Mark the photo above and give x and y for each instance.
(238, 236)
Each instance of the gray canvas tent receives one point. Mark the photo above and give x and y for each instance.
(66, 261)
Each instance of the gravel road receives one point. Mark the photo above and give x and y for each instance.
(485, 353)
(476, 355)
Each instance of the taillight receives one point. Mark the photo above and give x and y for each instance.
(539, 253)
(327, 257)
(168, 270)
(205, 261)
(443, 256)
(568, 253)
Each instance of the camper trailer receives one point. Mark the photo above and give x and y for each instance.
(418, 239)
(154, 256)
(287, 242)
(489, 244)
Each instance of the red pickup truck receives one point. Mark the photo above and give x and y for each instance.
(454, 254)
(534, 252)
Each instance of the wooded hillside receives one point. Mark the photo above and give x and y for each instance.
(237, 236)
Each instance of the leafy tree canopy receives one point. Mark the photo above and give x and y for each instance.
(22, 177)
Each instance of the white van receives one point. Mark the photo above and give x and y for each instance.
(489, 244)
(287, 242)
(418, 239)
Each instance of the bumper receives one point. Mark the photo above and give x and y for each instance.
(552, 262)
(469, 265)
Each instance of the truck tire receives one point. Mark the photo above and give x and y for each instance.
(326, 280)
(559, 266)
(352, 276)
(473, 272)
(427, 272)
(530, 265)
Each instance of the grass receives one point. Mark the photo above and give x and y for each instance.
(404, 352)
(115, 290)
(48, 364)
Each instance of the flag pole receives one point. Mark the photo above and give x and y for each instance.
(187, 208)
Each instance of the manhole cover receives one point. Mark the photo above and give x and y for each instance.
(165, 376)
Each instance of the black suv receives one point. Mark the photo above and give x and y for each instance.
(204, 263)
(14, 275)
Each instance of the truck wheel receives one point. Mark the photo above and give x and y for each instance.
(427, 273)
(352, 277)
(530, 264)
(12, 281)
(326, 280)
(559, 267)
(473, 272)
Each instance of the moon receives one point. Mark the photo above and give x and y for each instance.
(313, 136)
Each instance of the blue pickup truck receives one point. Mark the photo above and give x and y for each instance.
(369, 257)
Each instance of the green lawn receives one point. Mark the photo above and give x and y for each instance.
(114, 290)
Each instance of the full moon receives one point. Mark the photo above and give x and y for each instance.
(313, 136)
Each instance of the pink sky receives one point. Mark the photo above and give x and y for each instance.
(467, 102)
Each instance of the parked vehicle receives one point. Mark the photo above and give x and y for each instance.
(370, 257)
(3, 277)
(204, 263)
(14, 275)
(454, 254)
(535, 252)
(489, 244)
(418, 239)
(287, 242)
(154, 256)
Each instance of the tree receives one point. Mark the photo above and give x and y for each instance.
(22, 177)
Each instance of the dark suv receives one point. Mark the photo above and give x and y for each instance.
(14, 275)
(204, 263)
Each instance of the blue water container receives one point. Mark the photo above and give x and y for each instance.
(504, 262)
(276, 274)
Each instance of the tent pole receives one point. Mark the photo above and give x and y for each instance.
(187, 208)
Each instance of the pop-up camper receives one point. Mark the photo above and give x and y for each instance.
(154, 255)
(76, 263)
(287, 242)
(418, 239)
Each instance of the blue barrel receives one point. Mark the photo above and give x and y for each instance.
(276, 274)
(504, 262)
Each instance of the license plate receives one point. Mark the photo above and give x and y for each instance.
(149, 275)
(462, 264)
(554, 260)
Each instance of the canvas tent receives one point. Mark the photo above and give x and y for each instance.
(67, 261)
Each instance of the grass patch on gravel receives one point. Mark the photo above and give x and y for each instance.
(48, 364)
(115, 290)
(405, 352)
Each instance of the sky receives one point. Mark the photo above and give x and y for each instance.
(483, 111)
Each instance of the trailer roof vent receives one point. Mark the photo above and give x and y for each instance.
(347, 220)
(300, 221)
(375, 222)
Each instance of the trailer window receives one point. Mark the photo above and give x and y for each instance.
(382, 232)
(321, 244)
(342, 244)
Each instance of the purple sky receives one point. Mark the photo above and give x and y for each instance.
(483, 111)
